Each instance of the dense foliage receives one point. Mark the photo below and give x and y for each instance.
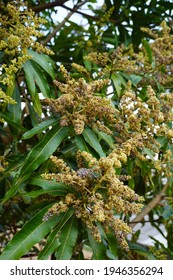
(86, 130)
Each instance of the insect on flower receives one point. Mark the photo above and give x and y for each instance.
(87, 173)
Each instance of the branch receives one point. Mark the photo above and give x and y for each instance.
(42, 7)
(149, 207)
(90, 16)
(51, 35)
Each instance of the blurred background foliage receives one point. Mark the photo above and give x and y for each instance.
(28, 69)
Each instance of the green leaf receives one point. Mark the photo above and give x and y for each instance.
(32, 232)
(15, 109)
(99, 250)
(118, 81)
(40, 153)
(69, 151)
(33, 116)
(51, 192)
(107, 138)
(41, 80)
(34, 74)
(2, 55)
(113, 246)
(87, 64)
(39, 128)
(163, 141)
(167, 250)
(53, 239)
(42, 61)
(51, 245)
(48, 187)
(145, 169)
(168, 212)
(150, 153)
(141, 250)
(113, 41)
(148, 50)
(37, 104)
(8, 118)
(135, 79)
(68, 240)
(91, 138)
(14, 163)
(131, 181)
(81, 144)
(28, 69)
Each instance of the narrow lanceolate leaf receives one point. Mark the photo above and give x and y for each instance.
(118, 82)
(149, 153)
(49, 186)
(69, 151)
(107, 138)
(37, 193)
(130, 167)
(39, 128)
(51, 245)
(81, 144)
(15, 109)
(68, 239)
(32, 232)
(43, 62)
(113, 246)
(98, 248)
(27, 67)
(148, 50)
(43, 150)
(8, 118)
(56, 189)
(135, 79)
(14, 164)
(91, 138)
(40, 153)
(40, 79)
(34, 74)
(37, 104)
(53, 239)
(141, 250)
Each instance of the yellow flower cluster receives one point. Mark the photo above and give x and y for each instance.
(159, 254)
(5, 98)
(96, 31)
(152, 62)
(3, 163)
(79, 105)
(18, 33)
(98, 194)
(144, 122)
